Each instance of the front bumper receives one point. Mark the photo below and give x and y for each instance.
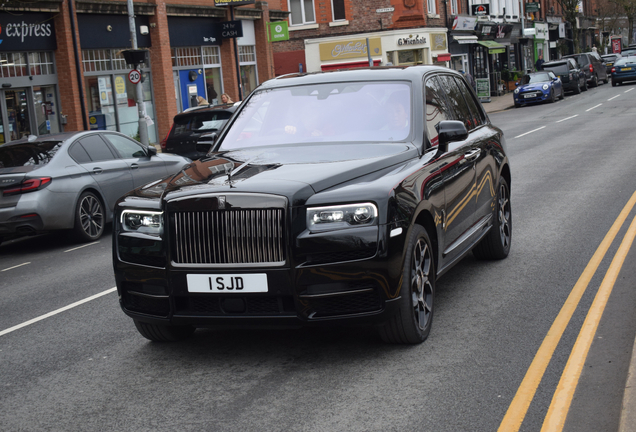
(534, 96)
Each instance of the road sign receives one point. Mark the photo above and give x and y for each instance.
(134, 76)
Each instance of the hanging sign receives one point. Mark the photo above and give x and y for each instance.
(278, 31)
(480, 9)
(229, 29)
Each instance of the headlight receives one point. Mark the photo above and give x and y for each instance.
(147, 222)
(545, 86)
(516, 91)
(343, 216)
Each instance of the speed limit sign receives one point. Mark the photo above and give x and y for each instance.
(134, 76)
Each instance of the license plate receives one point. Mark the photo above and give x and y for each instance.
(227, 283)
(626, 69)
(527, 96)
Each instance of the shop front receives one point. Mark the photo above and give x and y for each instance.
(541, 42)
(29, 92)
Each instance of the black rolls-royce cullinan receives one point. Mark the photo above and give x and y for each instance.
(337, 197)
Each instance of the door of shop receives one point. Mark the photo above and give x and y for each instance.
(192, 85)
(18, 113)
(28, 111)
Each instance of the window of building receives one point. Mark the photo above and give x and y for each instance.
(247, 60)
(186, 56)
(338, 8)
(302, 12)
(212, 64)
(453, 7)
(13, 65)
(432, 7)
(41, 63)
(96, 60)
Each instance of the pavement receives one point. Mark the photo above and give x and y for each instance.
(499, 103)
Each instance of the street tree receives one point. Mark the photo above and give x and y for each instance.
(570, 10)
(629, 7)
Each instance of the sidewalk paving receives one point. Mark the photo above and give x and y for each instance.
(499, 103)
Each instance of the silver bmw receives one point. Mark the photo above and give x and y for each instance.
(72, 180)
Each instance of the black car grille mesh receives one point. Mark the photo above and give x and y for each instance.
(229, 236)
(252, 305)
(148, 305)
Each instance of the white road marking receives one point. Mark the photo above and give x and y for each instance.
(567, 118)
(613, 97)
(519, 136)
(593, 107)
(83, 246)
(628, 90)
(55, 312)
(19, 265)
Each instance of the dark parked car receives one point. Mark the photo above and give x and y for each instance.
(571, 77)
(608, 60)
(190, 125)
(72, 180)
(592, 65)
(326, 199)
(624, 70)
(535, 87)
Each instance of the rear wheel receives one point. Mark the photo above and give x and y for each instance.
(163, 333)
(562, 94)
(496, 244)
(89, 218)
(578, 89)
(614, 83)
(411, 324)
(606, 80)
(584, 88)
(552, 96)
(594, 81)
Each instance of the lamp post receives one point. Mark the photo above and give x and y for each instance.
(141, 107)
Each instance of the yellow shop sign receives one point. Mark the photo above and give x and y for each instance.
(347, 49)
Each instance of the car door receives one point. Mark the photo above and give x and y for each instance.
(144, 167)
(457, 169)
(110, 173)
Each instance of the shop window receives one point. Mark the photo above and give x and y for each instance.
(187, 56)
(41, 63)
(410, 57)
(338, 8)
(302, 12)
(211, 55)
(247, 59)
(13, 65)
(432, 7)
(247, 54)
(96, 60)
(453, 7)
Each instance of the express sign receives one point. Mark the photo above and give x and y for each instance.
(27, 32)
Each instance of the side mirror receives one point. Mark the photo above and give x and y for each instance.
(517, 84)
(152, 150)
(450, 131)
(555, 79)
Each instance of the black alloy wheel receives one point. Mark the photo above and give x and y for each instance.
(496, 244)
(584, 88)
(89, 218)
(552, 96)
(412, 322)
(164, 333)
(594, 81)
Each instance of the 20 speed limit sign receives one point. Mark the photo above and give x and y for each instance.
(134, 76)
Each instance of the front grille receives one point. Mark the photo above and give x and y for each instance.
(229, 236)
(252, 305)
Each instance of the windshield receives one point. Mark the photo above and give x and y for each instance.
(559, 69)
(200, 122)
(536, 78)
(28, 154)
(335, 112)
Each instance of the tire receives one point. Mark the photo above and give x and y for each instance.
(577, 90)
(411, 324)
(163, 333)
(517, 105)
(562, 94)
(614, 83)
(552, 96)
(89, 218)
(606, 80)
(584, 88)
(496, 244)
(595, 81)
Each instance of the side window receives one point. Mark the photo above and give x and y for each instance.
(436, 109)
(127, 148)
(457, 102)
(478, 117)
(78, 153)
(96, 148)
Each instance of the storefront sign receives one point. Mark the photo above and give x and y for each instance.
(412, 40)
(389, 9)
(480, 9)
(438, 41)
(229, 29)
(27, 32)
(278, 31)
(533, 7)
(187, 31)
(94, 33)
(483, 88)
(233, 2)
(349, 49)
(562, 31)
(464, 23)
(542, 31)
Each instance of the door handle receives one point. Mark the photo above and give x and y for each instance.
(134, 166)
(472, 155)
(97, 170)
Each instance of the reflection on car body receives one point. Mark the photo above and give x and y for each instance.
(288, 221)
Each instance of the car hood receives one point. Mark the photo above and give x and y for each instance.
(533, 86)
(296, 172)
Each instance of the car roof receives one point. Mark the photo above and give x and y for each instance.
(209, 108)
(58, 137)
(556, 62)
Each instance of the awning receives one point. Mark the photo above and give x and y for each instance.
(493, 47)
(443, 57)
(349, 65)
(465, 39)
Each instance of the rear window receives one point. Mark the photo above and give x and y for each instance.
(28, 154)
(620, 61)
(559, 69)
(200, 122)
(583, 60)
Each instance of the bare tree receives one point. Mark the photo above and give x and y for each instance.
(570, 12)
(629, 7)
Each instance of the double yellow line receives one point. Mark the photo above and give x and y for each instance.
(555, 419)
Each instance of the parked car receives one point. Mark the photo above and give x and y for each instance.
(624, 70)
(592, 65)
(608, 60)
(72, 180)
(571, 77)
(535, 87)
(628, 52)
(326, 199)
(190, 125)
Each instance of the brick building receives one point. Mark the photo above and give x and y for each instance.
(40, 61)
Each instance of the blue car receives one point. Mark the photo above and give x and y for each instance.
(538, 87)
(624, 70)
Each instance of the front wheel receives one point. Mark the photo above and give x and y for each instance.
(606, 80)
(163, 333)
(595, 81)
(411, 324)
(578, 89)
(89, 218)
(496, 244)
(552, 96)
